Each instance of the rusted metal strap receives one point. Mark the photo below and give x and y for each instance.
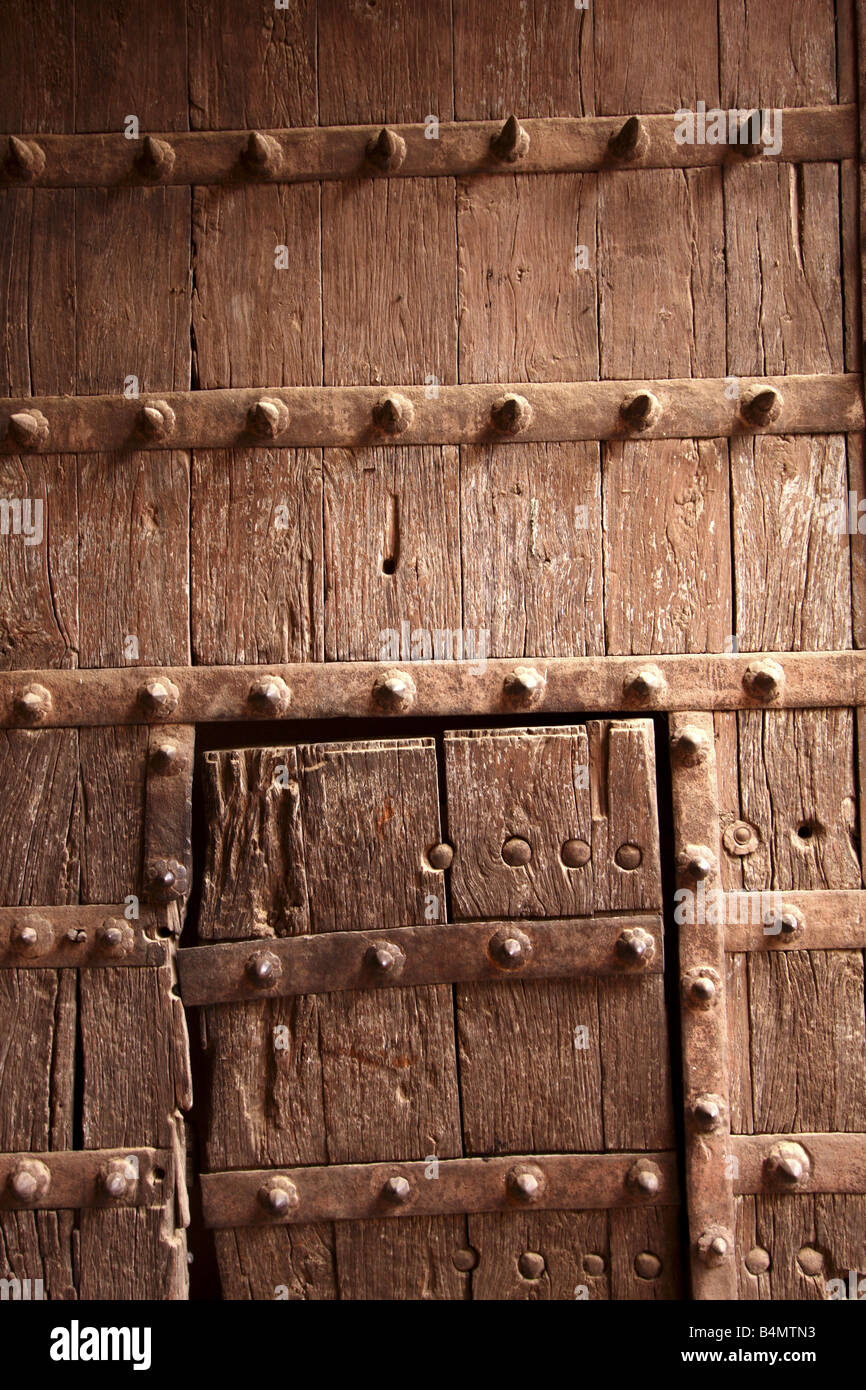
(447, 953)
(73, 937)
(432, 150)
(706, 1080)
(363, 689)
(439, 1187)
(168, 814)
(799, 1163)
(137, 1177)
(822, 920)
(360, 416)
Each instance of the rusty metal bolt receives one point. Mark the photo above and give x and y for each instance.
(167, 759)
(787, 1165)
(24, 158)
(278, 1196)
(647, 1265)
(397, 1190)
(691, 746)
(386, 151)
(628, 856)
(757, 1260)
(509, 948)
(465, 1259)
(764, 680)
(594, 1265)
(516, 852)
(696, 861)
(708, 1113)
(384, 958)
(158, 698)
(33, 704)
(157, 158)
(263, 969)
(167, 880)
(76, 935)
(525, 1183)
(393, 414)
(118, 1179)
(269, 695)
(634, 946)
(394, 691)
(714, 1245)
(740, 838)
(640, 410)
(511, 142)
(29, 1180)
(812, 1262)
(24, 938)
(29, 429)
(647, 685)
(645, 1177)
(268, 418)
(524, 686)
(784, 923)
(631, 141)
(510, 414)
(440, 856)
(531, 1264)
(261, 154)
(701, 987)
(760, 406)
(111, 935)
(155, 421)
(575, 853)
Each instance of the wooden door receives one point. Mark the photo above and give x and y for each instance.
(542, 1052)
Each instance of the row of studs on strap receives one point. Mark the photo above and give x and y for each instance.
(268, 418)
(261, 156)
(394, 692)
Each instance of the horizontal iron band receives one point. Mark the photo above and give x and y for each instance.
(821, 920)
(367, 1191)
(445, 953)
(556, 145)
(75, 1178)
(350, 416)
(72, 936)
(361, 689)
(824, 1163)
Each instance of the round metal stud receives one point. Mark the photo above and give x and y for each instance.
(760, 406)
(811, 1261)
(465, 1259)
(261, 154)
(511, 142)
(384, 958)
(757, 1260)
(594, 1265)
(516, 852)
(511, 414)
(740, 838)
(24, 938)
(634, 947)
(701, 987)
(394, 691)
(645, 1177)
(167, 759)
(33, 704)
(708, 1113)
(646, 687)
(270, 696)
(29, 1180)
(764, 680)
(397, 1190)
(647, 1265)
(156, 421)
(29, 429)
(278, 1196)
(691, 746)
(263, 969)
(697, 861)
(24, 158)
(525, 1183)
(575, 853)
(524, 686)
(440, 856)
(628, 856)
(386, 151)
(393, 414)
(640, 410)
(784, 923)
(117, 1179)
(509, 948)
(166, 880)
(714, 1245)
(631, 141)
(787, 1165)
(158, 698)
(157, 158)
(531, 1264)
(268, 418)
(111, 935)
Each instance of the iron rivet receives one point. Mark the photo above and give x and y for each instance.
(787, 1164)
(742, 834)
(760, 406)
(386, 151)
(34, 704)
(464, 1260)
(531, 1264)
(76, 935)
(158, 697)
(270, 695)
(593, 1265)
(740, 838)
(166, 759)
(648, 684)
(631, 141)
(697, 861)
(278, 1196)
(510, 414)
(646, 1176)
(516, 852)
(110, 935)
(262, 154)
(440, 856)
(263, 969)
(764, 680)
(24, 158)
(29, 429)
(30, 1179)
(714, 1245)
(385, 958)
(701, 987)
(397, 1190)
(525, 1183)
(157, 157)
(634, 946)
(811, 1261)
(691, 746)
(393, 414)
(575, 853)
(116, 1179)
(786, 923)
(394, 691)
(708, 1112)
(509, 948)
(511, 142)
(156, 421)
(647, 1265)
(757, 1261)
(524, 686)
(628, 856)
(24, 936)
(268, 418)
(167, 880)
(640, 410)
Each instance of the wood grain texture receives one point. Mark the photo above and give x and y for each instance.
(276, 53)
(530, 58)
